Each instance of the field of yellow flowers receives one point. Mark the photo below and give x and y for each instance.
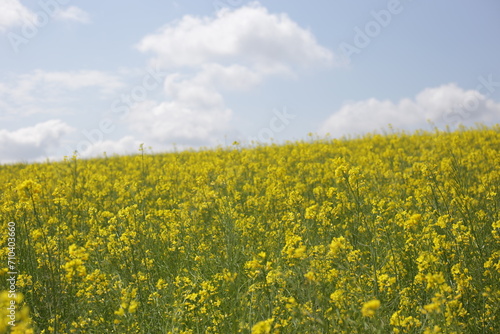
(394, 233)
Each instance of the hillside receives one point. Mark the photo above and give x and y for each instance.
(384, 233)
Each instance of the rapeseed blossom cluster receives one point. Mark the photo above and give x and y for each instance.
(395, 233)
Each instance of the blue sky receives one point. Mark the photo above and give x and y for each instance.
(106, 76)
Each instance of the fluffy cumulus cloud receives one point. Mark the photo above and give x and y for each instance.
(233, 77)
(196, 115)
(13, 14)
(126, 145)
(249, 33)
(447, 105)
(235, 50)
(32, 143)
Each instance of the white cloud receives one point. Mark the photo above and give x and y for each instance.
(196, 115)
(194, 111)
(125, 145)
(72, 13)
(45, 91)
(14, 14)
(248, 34)
(444, 105)
(32, 143)
(233, 51)
(233, 77)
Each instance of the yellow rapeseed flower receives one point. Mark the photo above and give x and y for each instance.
(263, 327)
(370, 308)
